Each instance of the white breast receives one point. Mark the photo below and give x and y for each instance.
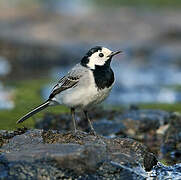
(84, 95)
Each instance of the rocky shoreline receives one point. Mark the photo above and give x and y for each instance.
(37, 154)
(61, 154)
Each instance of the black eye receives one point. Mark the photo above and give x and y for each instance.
(101, 54)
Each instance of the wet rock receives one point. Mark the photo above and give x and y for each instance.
(72, 156)
(171, 145)
(116, 147)
(41, 170)
(144, 126)
(50, 154)
(140, 121)
(6, 135)
(26, 170)
(166, 172)
(108, 128)
(23, 141)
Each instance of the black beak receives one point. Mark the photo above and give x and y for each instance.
(114, 53)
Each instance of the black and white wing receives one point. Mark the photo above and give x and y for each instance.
(67, 82)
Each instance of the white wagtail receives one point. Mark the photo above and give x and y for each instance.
(85, 85)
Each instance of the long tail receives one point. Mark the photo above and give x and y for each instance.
(34, 111)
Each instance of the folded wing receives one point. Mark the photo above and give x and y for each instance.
(69, 81)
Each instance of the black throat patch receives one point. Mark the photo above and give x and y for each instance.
(103, 76)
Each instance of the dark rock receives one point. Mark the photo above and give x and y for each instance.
(133, 107)
(148, 161)
(6, 135)
(143, 125)
(39, 154)
(117, 147)
(116, 171)
(28, 170)
(72, 156)
(144, 120)
(42, 170)
(23, 141)
(172, 34)
(108, 128)
(3, 167)
(172, 140)
(166, 172)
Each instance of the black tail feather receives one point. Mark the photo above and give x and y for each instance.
(34, 111)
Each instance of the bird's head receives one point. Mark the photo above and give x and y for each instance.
(98, 56)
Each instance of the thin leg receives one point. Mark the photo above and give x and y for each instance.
(73, 118)
(90, 124)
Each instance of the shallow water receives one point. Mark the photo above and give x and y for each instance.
(6, 101)
(161, 171)
(78, 7)
(5, 67)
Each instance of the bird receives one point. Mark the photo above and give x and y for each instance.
(87, 84)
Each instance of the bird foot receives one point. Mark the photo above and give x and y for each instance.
(92, 132)
(79, 134)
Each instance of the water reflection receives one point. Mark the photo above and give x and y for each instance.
(4, 66)
(6, 101)
(71, 8)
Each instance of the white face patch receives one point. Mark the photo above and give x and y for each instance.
(99, 58)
